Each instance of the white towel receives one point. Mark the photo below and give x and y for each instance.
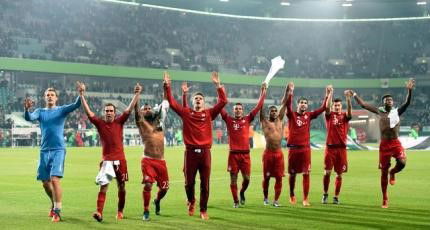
(106, 173)
(165, 108)
(393, 115)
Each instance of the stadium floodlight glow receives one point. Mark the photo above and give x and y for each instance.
(346, 4)
(224, 0)
(421, 3)
(285, 4)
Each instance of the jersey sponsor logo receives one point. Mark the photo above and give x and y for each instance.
(236, 126)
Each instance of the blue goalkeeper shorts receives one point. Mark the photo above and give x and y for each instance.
(51, 164)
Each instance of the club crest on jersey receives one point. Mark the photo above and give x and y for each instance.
(306, 116)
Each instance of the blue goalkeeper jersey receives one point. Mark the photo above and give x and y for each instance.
(52, 124)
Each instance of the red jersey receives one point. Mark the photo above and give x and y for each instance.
(299, 125)
(111, 136)
(337, 128)
(197, 126)
(238, 128)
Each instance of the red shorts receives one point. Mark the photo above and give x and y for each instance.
(155, 170)
(239, 162)
(120, 170)
(299, 160)
(337, 158)
(388, 149)
(273, 163)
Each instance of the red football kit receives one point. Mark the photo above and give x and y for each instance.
(197, 133)
(335, 152)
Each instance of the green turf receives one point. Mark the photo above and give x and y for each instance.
(24, 205)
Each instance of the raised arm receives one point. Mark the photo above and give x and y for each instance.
(328, 103)
(348, 95)
(363, 104)
(222, 98)
(81, 88)
(284, 104)
(185, 90)
(260, 103)
(289, 101)
(28, 116)
(136, 97)
(314, 114)
(262, 116)
(168, 94)
(136, 112)
(409, 86)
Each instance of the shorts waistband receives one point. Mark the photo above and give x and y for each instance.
(298, 146)
(239, 151)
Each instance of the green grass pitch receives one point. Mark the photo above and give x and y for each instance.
(24, 205)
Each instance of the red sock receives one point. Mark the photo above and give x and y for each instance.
(245, 184)
(101, 202)
(161, 193)
(266, 187)
(338, 184)
(121, 200)
(292, 181)
(384, 184)
(146, 199)
(306, 180)
(233, 188)
(278, 187)
(326, 182)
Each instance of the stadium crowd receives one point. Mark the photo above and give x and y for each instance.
(103, 33)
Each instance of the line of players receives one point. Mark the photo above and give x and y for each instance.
(197, 132)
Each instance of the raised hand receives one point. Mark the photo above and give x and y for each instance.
(329, 89)
(264, 85)
(348, 93)
(80, 87)
(410, 84)
(290, 87)
(166, 78)
(185, 87)
(28, 103)
(215, 79)
(137, 88)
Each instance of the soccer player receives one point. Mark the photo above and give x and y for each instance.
(153, 165)
(52, 149)
(111, 137)
(335, 151)
(238, 135)
(299, 151)
(273, 158)
(390, 146)
(197, 132)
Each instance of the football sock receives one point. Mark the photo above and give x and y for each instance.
(292, 181)
(101, 201)
(245, 184)
(338, 184)
(146, 198)
(384, 184)
(266, 187)
(161, 193)
(326, 182)
(57, 205)
(233, 188)
(121, 200)
(306, 180)
(278, 187)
